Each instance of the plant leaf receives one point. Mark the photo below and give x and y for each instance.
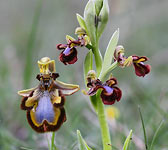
(110, 51)
(143, 125)
(81, 22)
(82, 143)
(103, 17)
(156, 133)
(127, 141)
(89, 17)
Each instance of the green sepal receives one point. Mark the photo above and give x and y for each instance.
(98, 6)
(82, 144)
(104, 14)
(66, 89)
(89, 17)
(68, 37)
(81, 22)
(127, 141)
(109, 54)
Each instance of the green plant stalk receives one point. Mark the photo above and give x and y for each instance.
(100, 107)
(52, 141)
(98, 57)
(103, 124)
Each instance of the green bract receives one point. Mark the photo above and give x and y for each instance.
(104, 13)
(89, 17)
(81, 22)
(98, 6)
(82, 143)
(127, 141)
(108, 57)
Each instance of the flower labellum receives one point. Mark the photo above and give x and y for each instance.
(140, 68)
(45, 103)
(68, 55)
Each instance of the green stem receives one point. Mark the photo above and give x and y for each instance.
(52, 141)
(100, 107)
(98, 57)
(103, 124)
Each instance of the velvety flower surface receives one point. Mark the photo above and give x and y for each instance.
(68, 54)
(140, 68)
(110, 92)
(69, 51)
(45, 103)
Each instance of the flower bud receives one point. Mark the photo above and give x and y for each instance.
(89, 17)
(91, 76)
(103, 17)
(98, 6)
(80, 31)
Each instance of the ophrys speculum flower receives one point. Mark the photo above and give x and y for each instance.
(45, 103)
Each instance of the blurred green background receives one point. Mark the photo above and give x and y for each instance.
(30, 29)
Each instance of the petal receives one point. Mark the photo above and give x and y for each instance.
(110, 99)
(92, 91)
(68, 56)
(45, 116)
(30, 98)
(111, 82)
(46, 126)
(61, 46)
(66, 89)
(27, 92)
(141, 69)
(57, 98)
(137, 59)
(108, 90)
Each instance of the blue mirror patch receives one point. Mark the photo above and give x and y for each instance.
(45, 109)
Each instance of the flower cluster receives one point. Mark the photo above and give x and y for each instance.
(45, 103)
(69, 51)
(141, 69)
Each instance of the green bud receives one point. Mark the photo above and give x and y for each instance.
(92, 74)
(80, 31)
(89, 17)
(69, 38)
(81, 21)
(98, 6)
(104, 13)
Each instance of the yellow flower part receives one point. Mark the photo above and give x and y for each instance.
(46, 65)
(112, 112)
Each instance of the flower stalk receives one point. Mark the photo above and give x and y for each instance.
(103, 124)
(106, 140)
